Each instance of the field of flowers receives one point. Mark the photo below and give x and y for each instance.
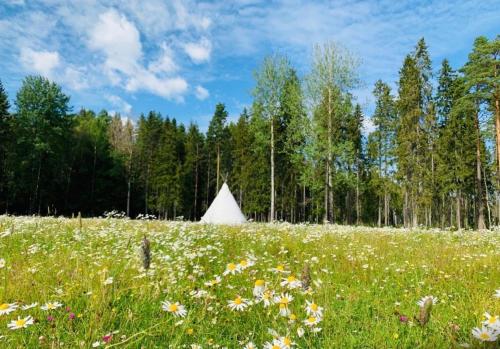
(82, 284)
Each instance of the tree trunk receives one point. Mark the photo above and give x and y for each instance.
(379, 215)
(458, 216)
(358, 206)
(479, 186)
(325, 218)
(272, 171)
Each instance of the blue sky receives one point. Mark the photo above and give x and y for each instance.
(182, 57)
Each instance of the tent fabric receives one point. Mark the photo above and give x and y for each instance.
(224, 209)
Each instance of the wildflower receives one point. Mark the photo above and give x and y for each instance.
(314, 309)
(275, 344)
(245, 263)
(259, 287)
(250, 345)
(291, 282)
(51, 306)
(238, 304)
(29, 306)
(312, 321)
(292, 318)
(7, 308)
(286, 342)
(96, 344)
(492, 321)
(231, 268)
(71, 316)
(108, 281)
(213, 282)
(176, 308)
(279, 269)
(485, 334)
(421, 302)
(2, 263)
(497, 293)
(283, 302)
(107, 338)
(265, 297)
(300, 332)
(50, 318)
(20, 323)
(403, 319)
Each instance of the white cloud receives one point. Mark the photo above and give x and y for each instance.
(201, 93)
(120, 104)
(41, 62)
(15, 2)
(118, 39)
(368, 126)
(199, 52)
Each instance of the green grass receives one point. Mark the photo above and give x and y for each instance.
(364, 278)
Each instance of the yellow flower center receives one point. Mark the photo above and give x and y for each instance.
(291, 278)
(280, 268)
(311, 319)
(231, 266)
(4, 306)
(259, 282)
(266, 295)
(243, 263)
(287, 341)
(238, 301)
(284, 300)
(485, 336)
(189, 331)
(20, 322)
(50, 306)
(314, 307)
(173, 308)
(492, 319)
(293, 317)
(276, 346)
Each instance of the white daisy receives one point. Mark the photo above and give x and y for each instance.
(275, 344)
(485, 334)
(291, 282)
(259, 287)
(232, 269)
(266, 297)
(20, 323)
(7, 308)
(250, 345)
(29, 306)
(51, 306)
(312, 321)
(176, 308)
(287, 342)
(492, 321)
(2, 263)
(314, 309)
(280, 269)
(245, 263)
(238, 304)
(214, 281)
(497, 293)
(300, 332)
(108, 281)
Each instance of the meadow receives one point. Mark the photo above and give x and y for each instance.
(66, 283)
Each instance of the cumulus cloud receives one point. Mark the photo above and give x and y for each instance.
(199, 52)
(201, 93)
(118, 40)
(41, 62)
(120, 104)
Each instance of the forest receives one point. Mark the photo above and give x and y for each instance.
(298, 154)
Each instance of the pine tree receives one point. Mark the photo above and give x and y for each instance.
(5, 145)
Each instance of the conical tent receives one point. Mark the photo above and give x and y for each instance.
(224, 209)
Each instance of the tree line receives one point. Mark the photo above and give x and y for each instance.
(298, 153)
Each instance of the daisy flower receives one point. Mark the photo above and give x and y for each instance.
(266, 297)
(485, 334)
(29, 306)
(250, 345)
(214, 281)
(51, 306)
(259, 287)
(7, 308)
(279, 269)
(176, 308)
(20, 323)
(245, 263)
(300, 332)
(283, 301)
(2, 263)
(291, 282)
(275, 344)
(312, 321)
(286, 342)
(238, 304)
(497, 293)
(314, 309)
(232, 269)
(421, 302)
(492, 321)
(108, 281)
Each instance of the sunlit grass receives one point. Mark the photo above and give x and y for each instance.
(367, 280)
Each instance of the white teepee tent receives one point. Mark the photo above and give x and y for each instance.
(224, 209)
